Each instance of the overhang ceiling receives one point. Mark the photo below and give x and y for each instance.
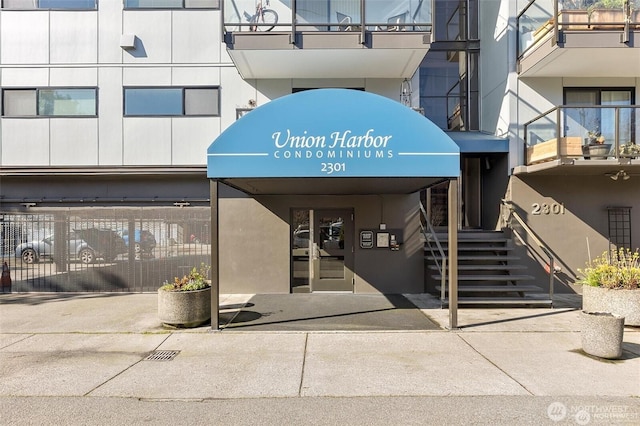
(333, 186)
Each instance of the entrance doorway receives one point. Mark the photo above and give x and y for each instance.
(322, 250)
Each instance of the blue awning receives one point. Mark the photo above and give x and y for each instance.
(333, 134)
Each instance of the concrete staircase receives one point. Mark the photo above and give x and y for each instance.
(488, 271)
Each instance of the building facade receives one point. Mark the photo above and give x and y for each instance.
(111, 111)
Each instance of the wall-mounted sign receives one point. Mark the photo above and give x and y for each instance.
(382, 240)
(389, 239)
(366, 239)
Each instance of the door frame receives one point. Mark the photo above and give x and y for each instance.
(337, 246)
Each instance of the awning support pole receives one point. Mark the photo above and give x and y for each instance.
(215, 259)
(453, 254)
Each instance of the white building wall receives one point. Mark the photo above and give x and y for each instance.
(24, 37)
(41, 48)
(497, 69)
(110, 26)
(25, 142)
(82, 49)
(110, 123)
(72, 37)
(73, 142)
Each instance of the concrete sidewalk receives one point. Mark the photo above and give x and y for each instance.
(78, 349)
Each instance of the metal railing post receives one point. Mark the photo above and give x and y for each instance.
(362, 27)
(616, 133)
(292, 39)
(453, 254)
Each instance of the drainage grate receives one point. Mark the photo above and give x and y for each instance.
(162, 356)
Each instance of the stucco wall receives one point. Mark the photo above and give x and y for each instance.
(575, 225)
(255, 242)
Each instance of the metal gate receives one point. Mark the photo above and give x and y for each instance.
(103, 249)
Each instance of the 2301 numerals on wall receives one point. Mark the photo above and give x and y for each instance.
(547, 209)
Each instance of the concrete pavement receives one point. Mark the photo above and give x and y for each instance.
(62, 354)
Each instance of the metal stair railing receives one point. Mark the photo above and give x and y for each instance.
(511, 213)
(430, 236)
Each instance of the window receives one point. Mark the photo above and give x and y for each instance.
(49, 4)
(49, 102)
(171, 4)
(593, 110)
(172, 101)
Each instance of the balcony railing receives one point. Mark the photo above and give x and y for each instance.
(594, 132)
(327, 15)
(541, 17)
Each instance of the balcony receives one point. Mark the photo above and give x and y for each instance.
(579, 38)
(327, 38)
(601, 138)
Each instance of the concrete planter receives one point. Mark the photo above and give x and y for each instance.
(184, 308)
(602, 334)
(625, 303)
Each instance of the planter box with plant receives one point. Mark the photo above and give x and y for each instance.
(186, 302)
(611, 283)
(630, 150)
(594, 146)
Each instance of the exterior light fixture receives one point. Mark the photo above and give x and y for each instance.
(128, 41)
(619, 175)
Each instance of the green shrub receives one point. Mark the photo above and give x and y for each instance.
(194, 280)
(614, 269)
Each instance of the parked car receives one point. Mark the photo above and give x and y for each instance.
(105, 243)
(35, 251)
(144, 240)
(301, 238)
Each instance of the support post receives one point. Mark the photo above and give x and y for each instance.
(453, 253)
(214, 187)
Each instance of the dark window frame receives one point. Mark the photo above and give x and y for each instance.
(37, 106)
(183, 106)
(94, 8)
(184, 7)
(598, 90)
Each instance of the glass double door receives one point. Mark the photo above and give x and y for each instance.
(322, 250)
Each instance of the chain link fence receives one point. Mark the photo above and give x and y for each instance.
(103, 249)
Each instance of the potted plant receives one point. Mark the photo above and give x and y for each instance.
(607, 14)
(630, 149)
(186, 302)
(610, 297)
(611, 283)
(595, 146)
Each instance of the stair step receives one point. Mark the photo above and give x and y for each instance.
(485, 267)
(472, 235)
(490, 277)
(496, 288)
(501, 301)
(466, 257)
(480, 248)
(472, 240)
